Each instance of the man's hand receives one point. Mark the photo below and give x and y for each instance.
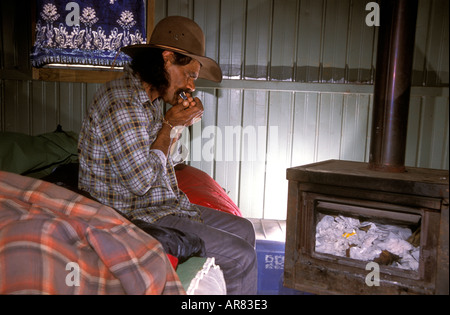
(176, 116)
(188, 101)
(186, 112)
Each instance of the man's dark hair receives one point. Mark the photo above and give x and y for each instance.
(149, 65)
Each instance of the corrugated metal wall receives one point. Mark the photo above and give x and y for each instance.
(297, 89)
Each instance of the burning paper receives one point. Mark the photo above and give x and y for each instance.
(367, 241)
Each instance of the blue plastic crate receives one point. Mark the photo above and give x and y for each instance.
(270, 255)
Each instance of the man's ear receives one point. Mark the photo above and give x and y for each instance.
(168, 56)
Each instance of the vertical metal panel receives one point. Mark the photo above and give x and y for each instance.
(354, 128)
(306, 117)
(258, 39)
(207, 15)
(279, 147)
(284, 32)
(36, 107)
(413, 133)
(420, 46)
(50, 106)
(431, 55)
(335, 41)
(360, 53)
(178, 7)
(433, 140)
(437, 54)
(203, 134)
(309, 41)
(253, 158)
(427, 140)
(89, 94)
(330, 126)
(38, 111)
(232, 36)
(72, 105)
(160, 10)
(228, 146)
(17, 111)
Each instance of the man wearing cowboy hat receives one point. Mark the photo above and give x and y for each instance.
(125, 141)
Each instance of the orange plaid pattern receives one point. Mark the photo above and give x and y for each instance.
(46, 231)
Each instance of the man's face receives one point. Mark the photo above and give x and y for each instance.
(181, 78)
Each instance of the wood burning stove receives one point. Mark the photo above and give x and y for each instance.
(382, 192)
(416, 199)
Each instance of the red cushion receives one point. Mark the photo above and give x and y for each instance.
(203, 190)
(173, 261)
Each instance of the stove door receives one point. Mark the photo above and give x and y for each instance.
(324, 254)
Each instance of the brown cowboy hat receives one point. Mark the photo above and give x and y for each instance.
(184, 36)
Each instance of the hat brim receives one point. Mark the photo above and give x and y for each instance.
(210, 70)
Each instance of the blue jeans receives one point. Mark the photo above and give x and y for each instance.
(230, 240)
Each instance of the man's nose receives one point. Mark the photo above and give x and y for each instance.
(191, 85)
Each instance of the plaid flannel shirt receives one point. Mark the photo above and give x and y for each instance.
(117, 166)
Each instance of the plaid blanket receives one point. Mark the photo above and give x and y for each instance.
(54, 241)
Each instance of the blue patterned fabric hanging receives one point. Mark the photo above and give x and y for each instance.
(87, 32)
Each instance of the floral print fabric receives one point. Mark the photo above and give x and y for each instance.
(89, 32)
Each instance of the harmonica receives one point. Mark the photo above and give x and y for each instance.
(183, 96)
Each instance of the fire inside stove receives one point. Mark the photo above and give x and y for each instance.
(385, 244)
(389, 238)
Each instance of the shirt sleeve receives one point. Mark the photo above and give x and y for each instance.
(161, 155)
(128, 132)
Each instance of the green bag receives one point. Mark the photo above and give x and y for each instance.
(37, 156)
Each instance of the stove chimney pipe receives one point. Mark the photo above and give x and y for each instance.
(392, 84)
